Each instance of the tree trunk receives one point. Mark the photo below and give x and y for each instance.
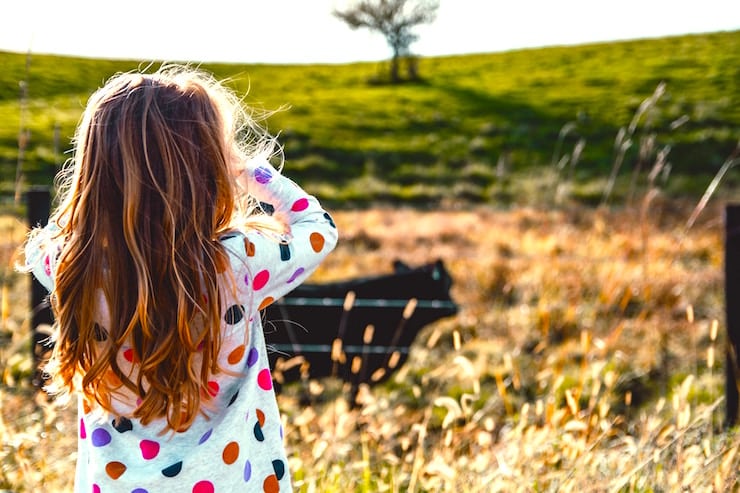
(394, 67)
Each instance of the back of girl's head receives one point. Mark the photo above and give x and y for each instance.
(149, 192)
(156, 144)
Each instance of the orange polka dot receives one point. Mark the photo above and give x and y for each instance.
(236, 355)
(266, 302)
(317, 242)
(231, 453)
(115, 469)
(261, 417)
(249, 247)
(271, 484)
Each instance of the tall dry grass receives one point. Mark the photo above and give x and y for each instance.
(584, 356)
(582, 359)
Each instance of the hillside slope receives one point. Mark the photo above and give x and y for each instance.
(475, 128)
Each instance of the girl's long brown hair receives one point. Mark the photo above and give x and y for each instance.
(149, 191)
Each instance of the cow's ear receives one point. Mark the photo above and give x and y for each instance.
(399, 266)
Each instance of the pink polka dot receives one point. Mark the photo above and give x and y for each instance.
(203, 487)
(260, 279)
(264, 380)
(96, 488)
(83, 433)
(47, 265)
(299, 205)
(149, 449)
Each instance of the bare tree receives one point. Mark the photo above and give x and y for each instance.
(395, 20)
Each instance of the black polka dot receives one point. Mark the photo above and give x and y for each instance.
(234, 314)
(284, 252)
(122, 425)
(100, 333)
(258, 433)
(173, 470)
(329, 218)
(279, 468)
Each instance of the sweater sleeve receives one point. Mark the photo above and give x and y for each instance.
(41, 253)
(277, 266)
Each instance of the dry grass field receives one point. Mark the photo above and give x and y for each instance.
(586, 356)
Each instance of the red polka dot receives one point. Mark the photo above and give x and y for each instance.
(264, 380)
(203, 487)
(260, 279)
(129, 355)
(213, 388)
(300, 205)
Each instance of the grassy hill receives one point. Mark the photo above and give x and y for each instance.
(476, 128)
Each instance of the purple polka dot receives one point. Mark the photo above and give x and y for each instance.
(100, 437)
(296, 274)
(247, 471)
(139, 490)
(252, 357)
(205, 436)
(262, 175)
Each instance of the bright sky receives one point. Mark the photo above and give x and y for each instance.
(304, 31)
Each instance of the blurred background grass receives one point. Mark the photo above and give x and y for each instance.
(474, 128)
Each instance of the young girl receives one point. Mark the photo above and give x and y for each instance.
(158, 270)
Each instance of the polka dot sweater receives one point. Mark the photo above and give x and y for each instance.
(238, 447)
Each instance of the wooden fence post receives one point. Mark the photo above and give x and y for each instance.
(732, 307)
(38, 210)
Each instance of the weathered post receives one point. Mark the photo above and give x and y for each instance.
(38, 210)
(732, 303)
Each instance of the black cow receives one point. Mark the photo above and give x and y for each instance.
(358, 330)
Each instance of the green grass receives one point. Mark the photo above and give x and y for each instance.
(475, 128)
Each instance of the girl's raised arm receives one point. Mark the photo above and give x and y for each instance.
(279, 265)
